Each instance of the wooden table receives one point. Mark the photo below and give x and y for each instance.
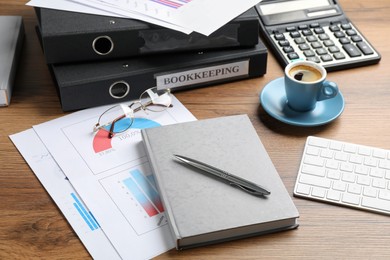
(31, 226)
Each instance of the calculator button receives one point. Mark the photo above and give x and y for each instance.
(314, 59)
(295, 34)
(351, 32)
(291, 29)
(293, 56)
(303, 27)
(316, 45)
(339, 34)
(334, 28)
(311, 38)
(319, 30)
(328, 43)
(323, 37)
(365, 48)
(356, 38)
(314, 25)
(309, 53)
(304, 47)
(346, 26)
(279, 36)
(352, 50)
(288, 49)
(284, 43)
(326, 58)
(299, 40)
(333, 49)
(344, 41)
(339, 56)
(321, 51)
(307, 32)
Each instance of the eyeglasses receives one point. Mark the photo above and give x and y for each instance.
(119, 118)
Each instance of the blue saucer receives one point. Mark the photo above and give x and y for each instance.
(274, 102)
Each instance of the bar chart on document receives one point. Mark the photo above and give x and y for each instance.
(135, 194)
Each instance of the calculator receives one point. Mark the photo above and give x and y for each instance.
(314, 30)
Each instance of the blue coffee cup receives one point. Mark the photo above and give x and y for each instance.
(305, 84)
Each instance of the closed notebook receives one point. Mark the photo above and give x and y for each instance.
(203, 210)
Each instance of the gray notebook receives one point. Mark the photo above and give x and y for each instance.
(203, 210)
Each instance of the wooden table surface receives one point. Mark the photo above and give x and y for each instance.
(31, 226)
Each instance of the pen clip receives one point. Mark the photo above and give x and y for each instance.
(246, 189)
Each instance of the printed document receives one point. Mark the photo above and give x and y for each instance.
(112, 177)
(58, 186)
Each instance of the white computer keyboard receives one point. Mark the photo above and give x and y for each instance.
(345, 174)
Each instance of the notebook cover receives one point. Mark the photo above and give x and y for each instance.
(203, 210)
(11, 42)
(71, 37)
(84, 85)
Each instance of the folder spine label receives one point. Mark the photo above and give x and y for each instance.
(201, 75)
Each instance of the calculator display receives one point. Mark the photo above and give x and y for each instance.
(288, 6)
(315, 30)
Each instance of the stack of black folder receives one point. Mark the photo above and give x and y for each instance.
(97, 60)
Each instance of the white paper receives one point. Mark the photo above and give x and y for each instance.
(113, 176)
(202, 16)
(58, 186)
(100, 8)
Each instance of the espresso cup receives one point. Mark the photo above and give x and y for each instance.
(305, 85)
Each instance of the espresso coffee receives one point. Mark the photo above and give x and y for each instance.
(305, 73)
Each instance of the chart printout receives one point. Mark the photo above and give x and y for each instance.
(61, 191)
(113, 176)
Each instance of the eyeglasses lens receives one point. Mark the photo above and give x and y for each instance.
(116, 115)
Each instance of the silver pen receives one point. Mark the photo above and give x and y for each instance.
(231, 179)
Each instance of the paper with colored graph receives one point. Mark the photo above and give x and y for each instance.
(61, 191)
(113, 176)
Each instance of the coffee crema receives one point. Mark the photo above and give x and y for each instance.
(305, 73)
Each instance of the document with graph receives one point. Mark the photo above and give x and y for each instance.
(61, 191)
(113, 176)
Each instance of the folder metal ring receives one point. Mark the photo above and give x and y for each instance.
(119, 89)
(103, 45)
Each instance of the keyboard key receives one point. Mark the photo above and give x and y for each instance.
(351, 198)
(382, 205)
(333, 195)
(315, 181)
(303, 189)
(318, 192)
(313, 170)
